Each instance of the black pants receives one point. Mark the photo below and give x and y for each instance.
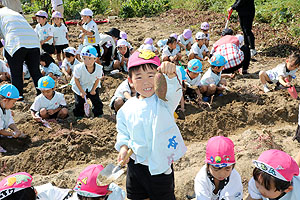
(15, 62)
(246, 25)
(96, 101)
(245, 63)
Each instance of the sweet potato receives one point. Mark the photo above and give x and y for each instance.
(160, 86)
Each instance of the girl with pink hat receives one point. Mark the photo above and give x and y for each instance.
(148, 45)
(275, 176)
(218, 179)
(205, 29)
(185, 40)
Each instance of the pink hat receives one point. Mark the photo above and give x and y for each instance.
(41, 13)
(204, 26)
(278, 164)
(220, 151)
(143, 57)
(123, 35)
(148, 41)
(14, 183)
(56, 14)
(187, 33)
(122, 42)
(174, 35)
(87, 182)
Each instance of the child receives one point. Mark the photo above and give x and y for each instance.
(69, 62)
(87, 187)
(148, 44)
(146, 125)
(218, 179)
(4, 75)
(199, 50)
(45, 32)
(204, 29)
(124, 92)
(89, 30)
(60, 34)
(185, 40)
(49, 104)
(192, 80)
(48, 66)
(86, 82)
(275, 176)
(212, 82)
(121, 55)
(170, 52)
(123, 35)
(9, 94)
(278, 74)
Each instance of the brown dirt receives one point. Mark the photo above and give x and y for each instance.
(254, 121)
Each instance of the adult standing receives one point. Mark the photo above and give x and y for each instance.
(57, 5)
(13, 4)
(246, 12)
(21, 44)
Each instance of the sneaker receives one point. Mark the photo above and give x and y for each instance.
(253, 52)
(266, 89)
(205, 99)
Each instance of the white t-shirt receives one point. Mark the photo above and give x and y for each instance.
(204, 188)
(56, 3)
(153, 48)
(65, 64)
(193, 82)
(60, 34)
(292, 195)
(183, 41)
(167, 52)
(210, 77)
(95, 38)
(41, 101)
(44, 32)
(86, 79)
(197, 50)
(3, 67)
(50, 192)
(119, 93)
(52, 68)
(279, 70)
(6, 119)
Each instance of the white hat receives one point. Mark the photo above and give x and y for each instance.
(241, 38)
(70, 50)
(200, 36)
(56, 14)
(86, 12)
(41, 13)
(122, 42)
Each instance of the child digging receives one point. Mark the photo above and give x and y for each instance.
(146, 125)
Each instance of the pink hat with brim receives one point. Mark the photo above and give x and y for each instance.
(41, 13)
(278, 164)
(87, 182)
(220, 151)
(187, 33)
(143, 57)
(56, 14)
(14, 183)
(148, 41)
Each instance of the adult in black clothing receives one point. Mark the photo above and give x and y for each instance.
(246, 12)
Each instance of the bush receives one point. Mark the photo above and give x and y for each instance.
(140, 8)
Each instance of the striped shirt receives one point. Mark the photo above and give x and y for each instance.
(16, 31)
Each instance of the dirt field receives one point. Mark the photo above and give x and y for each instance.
(253, 120)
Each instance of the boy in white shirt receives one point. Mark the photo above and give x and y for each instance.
(185, 40)
(280, 72)
(124, 92)
(89, 30)
(49, 104)
(45, 32)
(204, 29)
(170, 52)
(69, 62)
(86, 83)
(199, 50)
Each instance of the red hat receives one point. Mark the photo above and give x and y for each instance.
(143, 57)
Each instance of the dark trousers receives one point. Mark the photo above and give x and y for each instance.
(246, 25)
(96, 101)
(15, 62)
(245, 63)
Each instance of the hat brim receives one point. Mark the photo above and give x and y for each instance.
(112, 34)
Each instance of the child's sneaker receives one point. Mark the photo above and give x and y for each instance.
(266, 89)
(205, 98)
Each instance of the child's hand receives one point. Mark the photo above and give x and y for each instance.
(93, 92)
(232, 75)
(82, 94)
(122, 154)
(37, 118)
(168, 68)
(16, 134)
(51, 112)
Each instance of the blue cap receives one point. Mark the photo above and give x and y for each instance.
(89, 51)
(9, 91)
(195, 66)
(217, 60)
(46, 83)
